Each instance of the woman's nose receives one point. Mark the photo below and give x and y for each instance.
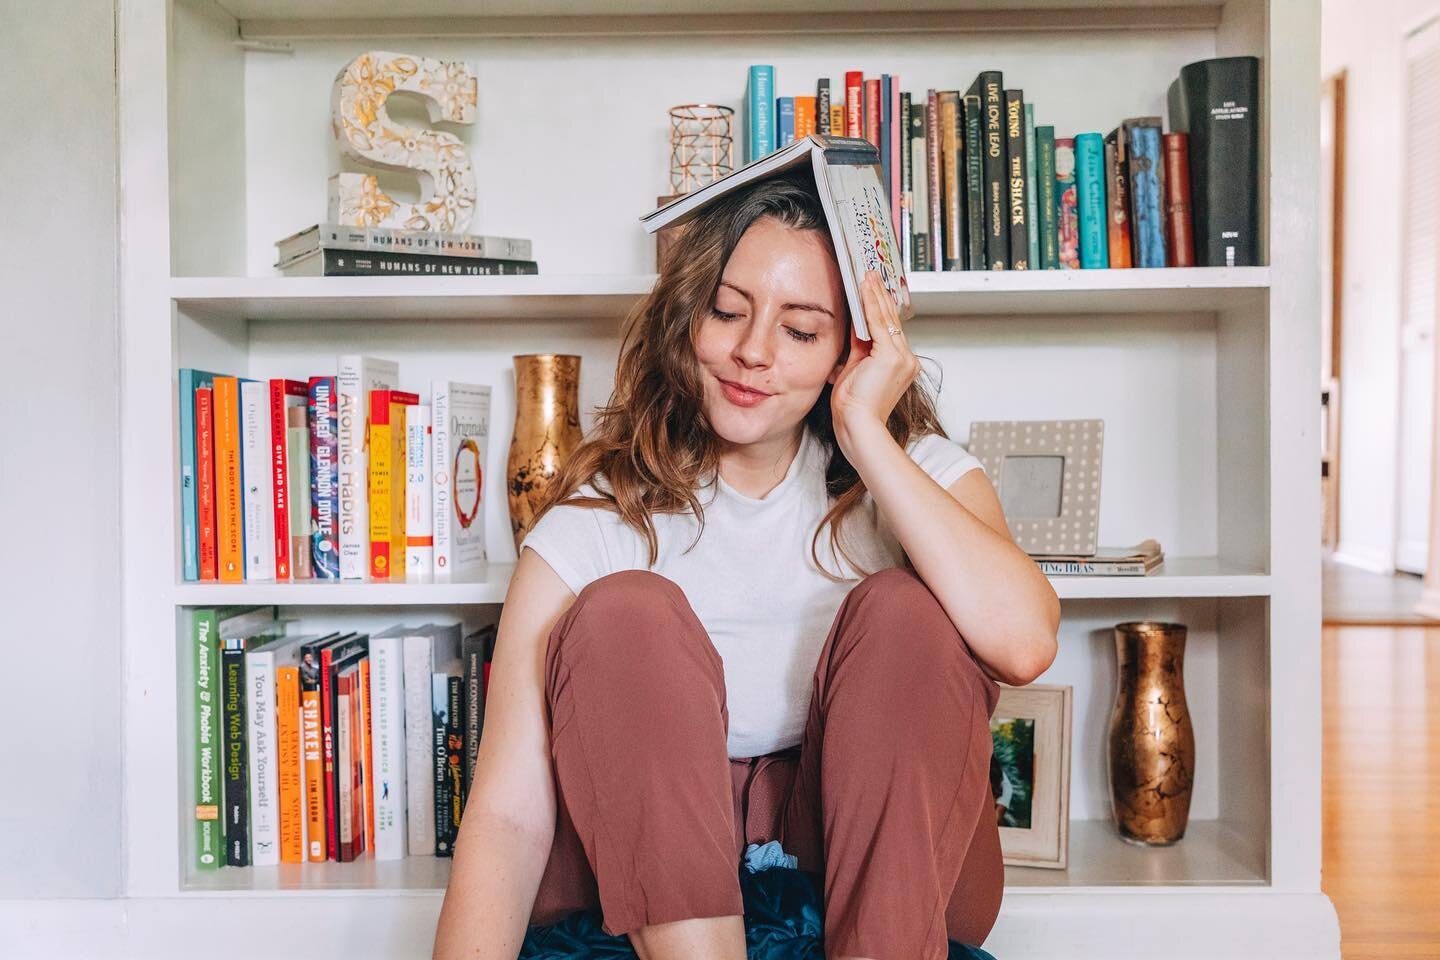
(753, 347)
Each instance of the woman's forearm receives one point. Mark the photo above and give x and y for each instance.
(493, 882)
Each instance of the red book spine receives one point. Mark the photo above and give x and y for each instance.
(279, 468)
(872, 111)
(205, 481)
(854, 103)
(1179, 233)
(896, 132)
(327, 740)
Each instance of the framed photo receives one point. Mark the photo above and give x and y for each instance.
(1030, 774)
(1047, 476)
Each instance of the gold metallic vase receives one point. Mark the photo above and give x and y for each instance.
(1151, 756)
(547, 429)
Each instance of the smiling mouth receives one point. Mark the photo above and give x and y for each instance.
(738, 394)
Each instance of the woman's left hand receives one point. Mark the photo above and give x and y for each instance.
(878, 371)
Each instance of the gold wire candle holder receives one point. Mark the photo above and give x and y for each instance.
(701, 145)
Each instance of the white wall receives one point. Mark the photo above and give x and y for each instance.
(59, 455)
(1366, 39)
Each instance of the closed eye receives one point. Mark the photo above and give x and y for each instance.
(799, 335)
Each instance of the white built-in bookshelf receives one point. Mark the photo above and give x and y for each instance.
(1206, 380)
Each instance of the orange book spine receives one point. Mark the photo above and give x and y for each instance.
(228, 508)
(804, 116)
(367, 765)
(357, 771)
(287, 737)
(314, 775)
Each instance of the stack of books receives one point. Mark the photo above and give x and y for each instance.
(338, 476)
(338, 746)
(975, 184)
(1144, 558)
(332, 250)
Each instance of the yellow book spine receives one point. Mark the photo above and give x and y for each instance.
(229, 511)
(397, 488)
(381, 490)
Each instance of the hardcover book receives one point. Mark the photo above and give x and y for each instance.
(1017, 224)
(1147, 217)
(847, 179)
(460, 437)
(1067, 212)
(1217, 102)
(1090, 200)
(1117, 199)
(357, 376)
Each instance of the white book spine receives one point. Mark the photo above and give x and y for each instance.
(264, 753)
(257, 491)
(419, 763)
(387, 697)
(355, 377)
(419, 535)
(469, 487)
(440, 519)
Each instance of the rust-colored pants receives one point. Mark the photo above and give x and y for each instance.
(887, 796)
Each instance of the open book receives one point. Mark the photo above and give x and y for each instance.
(847, 178)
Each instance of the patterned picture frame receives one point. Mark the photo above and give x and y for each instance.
(1047, 476)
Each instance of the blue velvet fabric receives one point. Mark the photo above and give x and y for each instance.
(782, 922)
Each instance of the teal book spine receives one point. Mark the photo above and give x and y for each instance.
(1045, 202)
(760, 113)
(190, 381)
(1090, 200)
(1031, 203)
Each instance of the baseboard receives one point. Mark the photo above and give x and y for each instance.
(1364, 557)
(1410, 556)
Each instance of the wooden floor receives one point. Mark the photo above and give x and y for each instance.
(1381, 773)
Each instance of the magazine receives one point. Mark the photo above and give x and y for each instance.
(847, 178)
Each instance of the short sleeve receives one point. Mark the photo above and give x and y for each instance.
(943, 459)
(571, 540)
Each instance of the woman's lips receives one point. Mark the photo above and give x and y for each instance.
(739, 397)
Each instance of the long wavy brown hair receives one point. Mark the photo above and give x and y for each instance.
(652, 442)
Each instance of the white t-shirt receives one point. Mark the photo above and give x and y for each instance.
(750, 578)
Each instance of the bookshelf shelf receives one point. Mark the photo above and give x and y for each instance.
(1179, 577)
(1213, 853)
(1163, 292)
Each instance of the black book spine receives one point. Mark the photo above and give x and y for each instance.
(822, 106)
(973, 152)
(365, 263)
(997, 234)
(455, 755)
(919, 181)
(1016, 196)
(472, 653)
(907, 186)
(1222, 109)
(440, 754)
(237, 760)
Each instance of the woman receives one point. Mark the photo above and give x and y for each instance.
(726, 580)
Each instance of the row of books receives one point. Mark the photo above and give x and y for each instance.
(316, 747)
(975, 184)
(335, 250)
(340, 476)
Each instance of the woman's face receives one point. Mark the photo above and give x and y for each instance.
(778, 325)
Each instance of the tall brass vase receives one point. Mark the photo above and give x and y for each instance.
(547, 429)
(1151, 754)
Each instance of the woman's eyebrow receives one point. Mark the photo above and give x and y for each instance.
(788, 306)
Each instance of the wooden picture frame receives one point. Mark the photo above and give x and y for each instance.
(1037, 834)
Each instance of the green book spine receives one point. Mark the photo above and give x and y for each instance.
(1034, 224)
(974, 182)
(209, 835)
(1045, 201)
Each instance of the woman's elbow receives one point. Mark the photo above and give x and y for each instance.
(1036, 650)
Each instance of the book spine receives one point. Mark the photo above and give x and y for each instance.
(263, 747)
(1067, 214)
(209, 839)
(897, 133)
(455, 754)
(784, 121)
(387, 697)
(1179, 237)
(906, 231)
(297, 485)
(1220, 100)
(920, 189)
(854, 103)
(324, 481)
(837, 118)
(288, 760)
(400, 405)
(441, 522)
(359, 763)
(1045, 202)
(1147, 215)
(419, 526)
(973, 151)
(1016, 201)
(1090, 200)
(257, 494)
(353, 392)
(997, 233)
(365, 738)
(935, 173)
(419, 756)
(871, 93)
(470, 426)
(381, 482)
(804, 116)
(384, 263)
(229, 526)
(205, 482)
(822, 106)
(1071, 568)
(1031, 202)
(190, 381)
(283, 395)
(329, 748)
(952, 162)
(1117, 200)
(344, 807)
(760, 118)
(237, 814)
(472, 658)
(886, 121)
(440, 755)
(313, 756)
